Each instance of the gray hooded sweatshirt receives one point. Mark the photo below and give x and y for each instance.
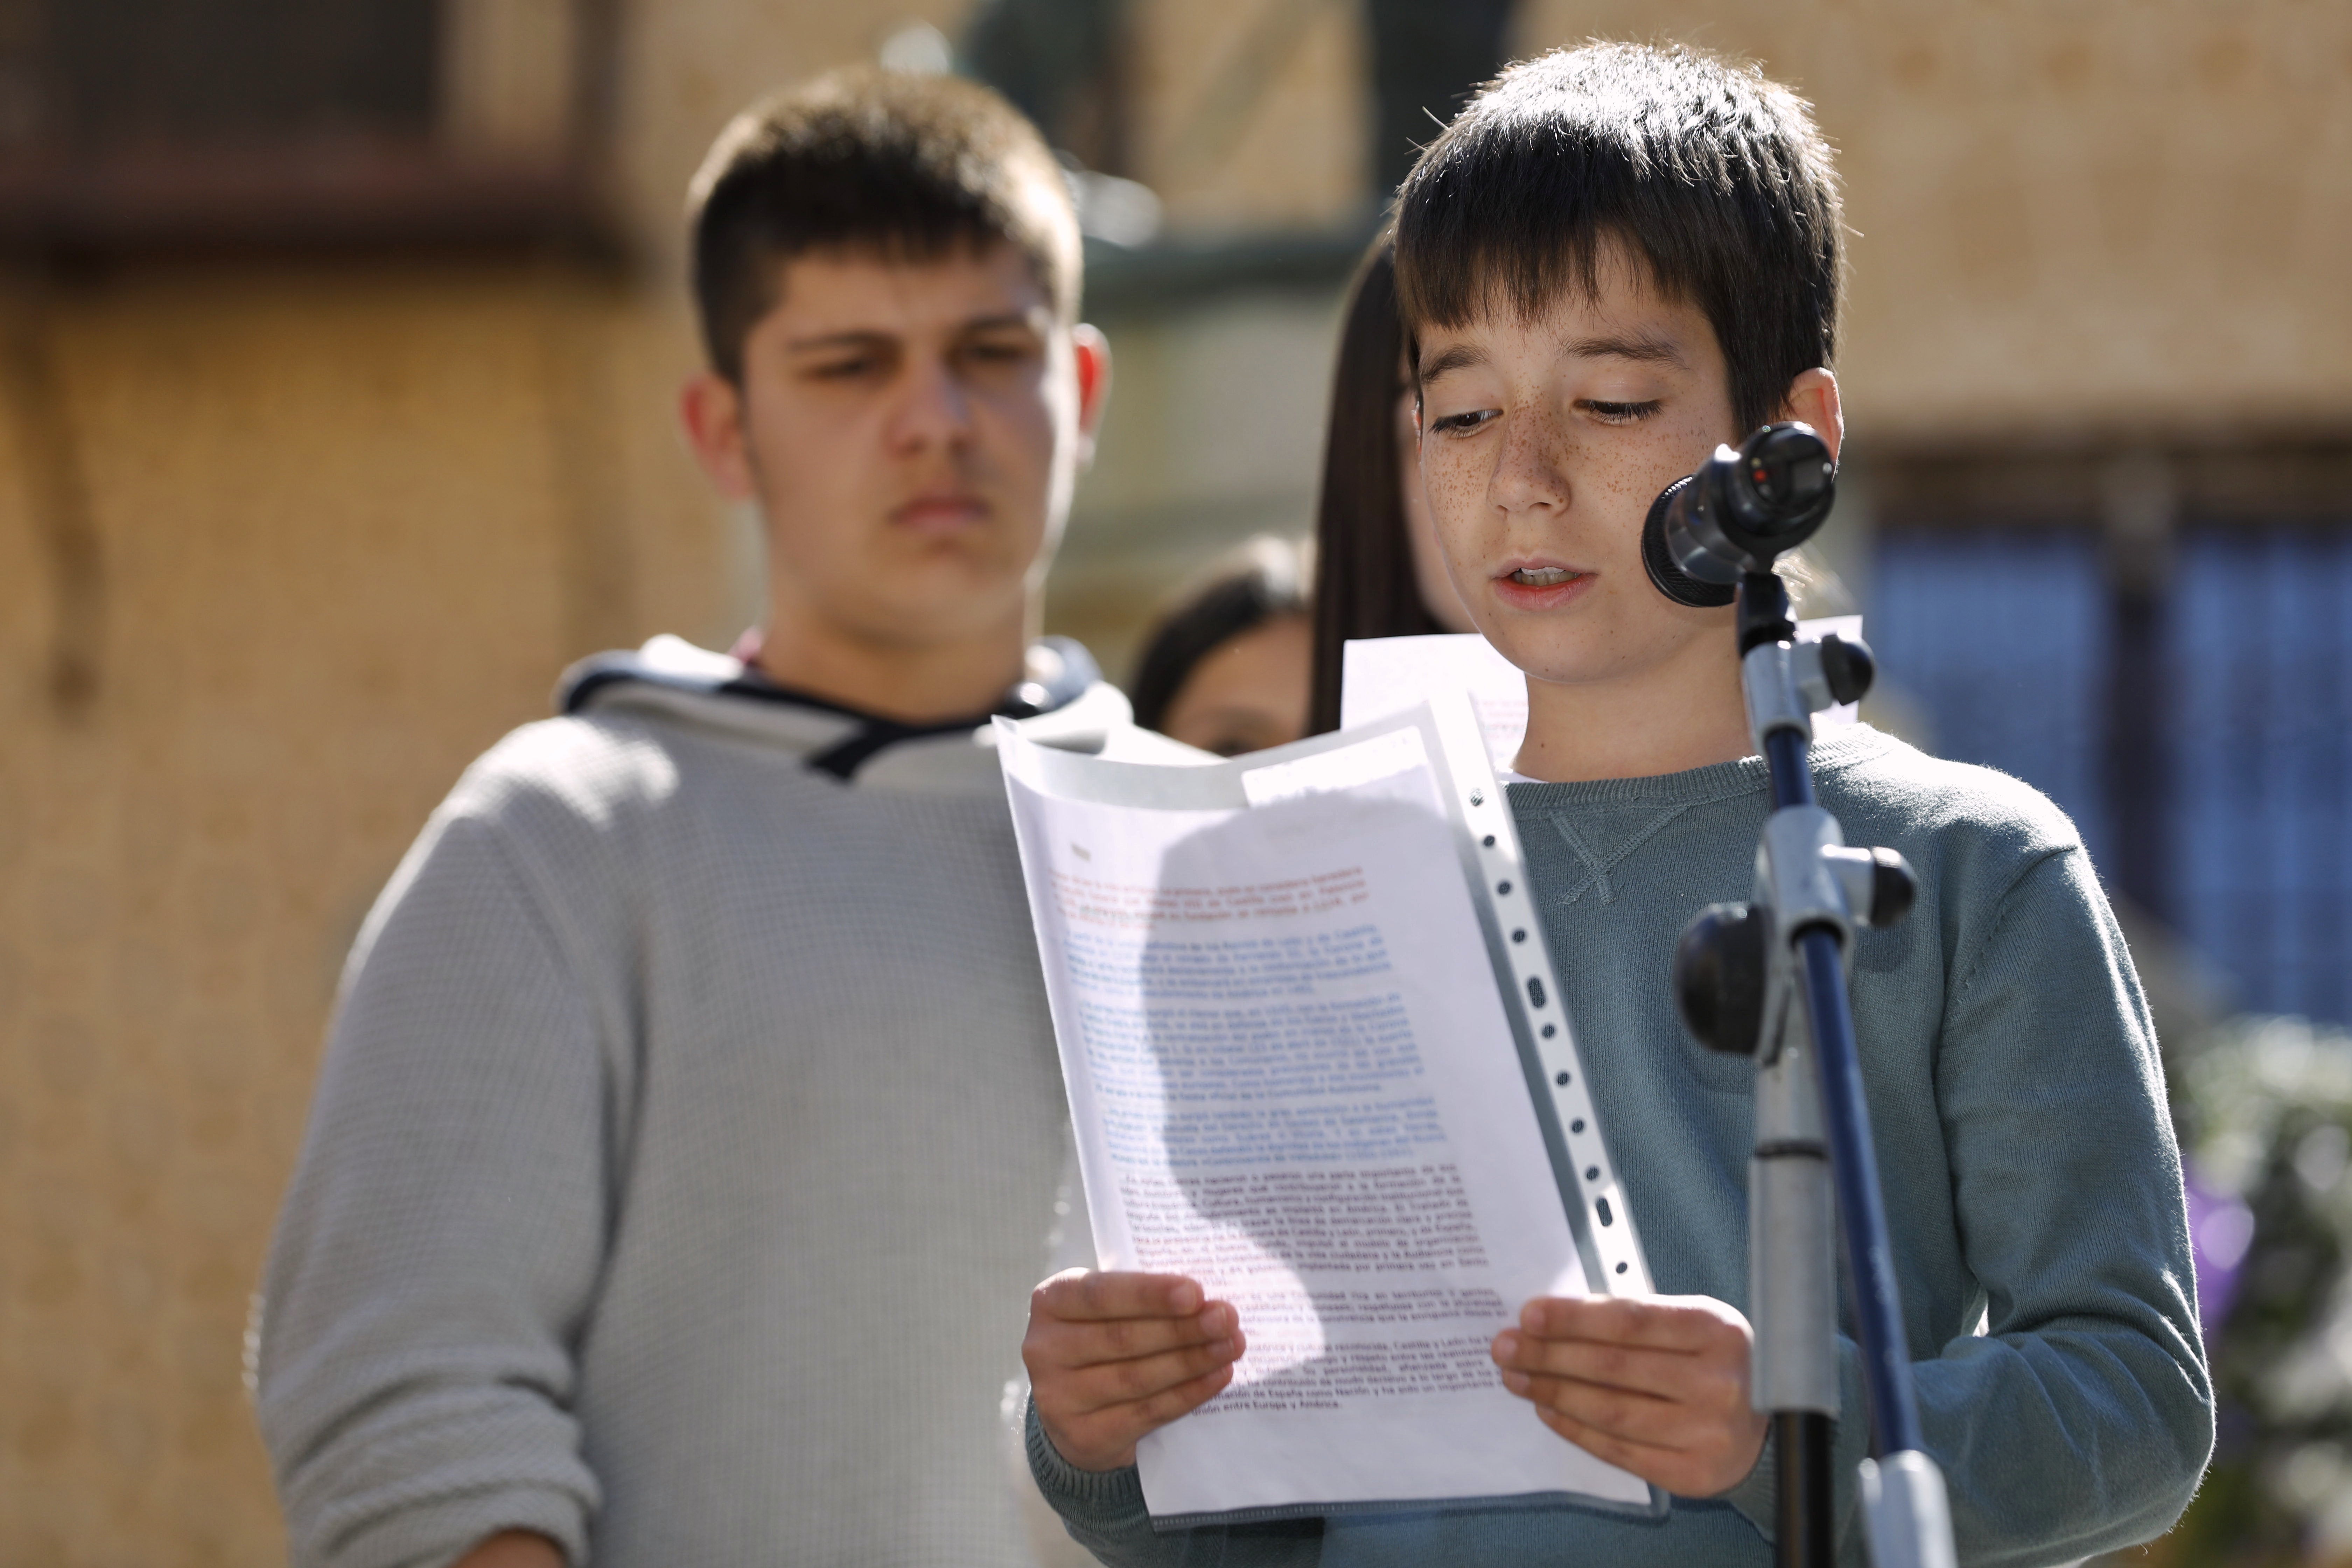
(685, 1147)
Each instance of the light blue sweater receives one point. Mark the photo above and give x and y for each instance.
(2028, 1164)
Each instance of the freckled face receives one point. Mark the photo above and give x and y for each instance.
(1544, 443)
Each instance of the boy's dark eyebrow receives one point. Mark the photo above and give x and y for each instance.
(995, 323)
(874, 337)
(1641, 347)
(1461, 356)
(855, 338)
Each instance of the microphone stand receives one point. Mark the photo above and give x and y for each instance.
(1769, 977)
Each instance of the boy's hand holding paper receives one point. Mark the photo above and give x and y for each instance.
(1113, 1357)
(1655, 1384)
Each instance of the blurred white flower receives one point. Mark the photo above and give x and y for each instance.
(919, 49)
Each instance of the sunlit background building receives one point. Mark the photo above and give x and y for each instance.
(338, 341)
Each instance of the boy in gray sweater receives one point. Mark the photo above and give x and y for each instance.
(1612, 261)
(689, 1135)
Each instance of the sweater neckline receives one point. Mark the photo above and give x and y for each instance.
(832, 738)
(1832, 753)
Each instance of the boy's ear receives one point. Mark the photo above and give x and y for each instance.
(1813, 398)
(711, 411)
(1090, 356)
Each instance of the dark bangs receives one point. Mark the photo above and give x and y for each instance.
(1714, 177)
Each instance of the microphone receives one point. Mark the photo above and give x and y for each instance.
(1743, 506)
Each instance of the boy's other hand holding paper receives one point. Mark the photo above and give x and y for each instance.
(1113, 1356)
(1656, 1385)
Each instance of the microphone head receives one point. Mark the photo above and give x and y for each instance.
(1741, 510)
(1668, 577)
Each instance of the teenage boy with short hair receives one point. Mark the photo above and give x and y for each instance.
(1613, 259)
(689, 1136)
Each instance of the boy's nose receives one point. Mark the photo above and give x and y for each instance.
(1529, 475)
(936, 410)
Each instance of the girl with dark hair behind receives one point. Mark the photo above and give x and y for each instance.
(1378, 572)
(1226, 668)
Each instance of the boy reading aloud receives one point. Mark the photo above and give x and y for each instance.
(1612, 261)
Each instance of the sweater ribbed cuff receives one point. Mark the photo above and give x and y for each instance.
(1758, 1499)
(1097, 1497)
(1755, 1496)
(444, 1528)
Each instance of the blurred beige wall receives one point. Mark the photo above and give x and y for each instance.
(1249, 114)
(314, 536)
(349, 527)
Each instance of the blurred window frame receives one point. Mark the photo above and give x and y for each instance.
(2213, 718)
(460, 123)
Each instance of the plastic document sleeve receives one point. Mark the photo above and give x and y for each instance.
(1316, 1058)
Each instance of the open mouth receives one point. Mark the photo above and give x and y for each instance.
(1543, 576)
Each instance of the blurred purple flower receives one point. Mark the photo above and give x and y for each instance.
(2220, 1229)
